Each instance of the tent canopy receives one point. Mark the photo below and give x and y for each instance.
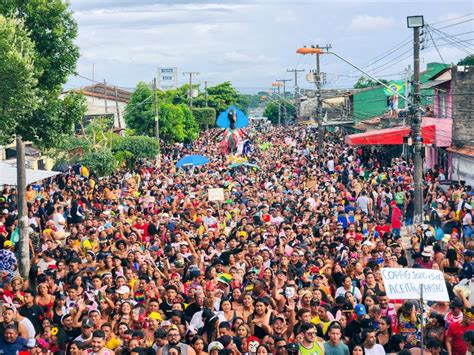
(390, 136)
(8, 175)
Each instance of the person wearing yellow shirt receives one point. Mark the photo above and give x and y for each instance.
(111, 341)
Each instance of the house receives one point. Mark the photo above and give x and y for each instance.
(461, 152)
(436, 155)
(373, 101)
(105, 101)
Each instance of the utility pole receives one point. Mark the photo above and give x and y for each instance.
(24, 241)
(205, 92)
(105, 96)
(157, 122)
(284, 81)
(416, 128)
(190, 93)
(117, 108)
(319, 115)
(407, 94)
(297, 90)
(279, 105)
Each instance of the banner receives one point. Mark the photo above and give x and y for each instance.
(405, 284)
(216, 194)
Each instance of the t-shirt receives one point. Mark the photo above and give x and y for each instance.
(340, 349)
(377, 349)
(456, 331)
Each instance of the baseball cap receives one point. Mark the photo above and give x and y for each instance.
(469, 253)
(360, 310)
(87, 323)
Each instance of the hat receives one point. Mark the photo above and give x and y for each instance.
(340, 299)
(427, 251)
(393, 203)
(215, 345)
(468, 253)
(154, 248)
(7, 244)
(123, 290)
(5, 211)
(360, 310)
(87, 323)
(367, 324)
(155, 315)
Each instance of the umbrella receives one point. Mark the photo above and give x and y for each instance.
(194, 160)
(236, 165)
(241, 121)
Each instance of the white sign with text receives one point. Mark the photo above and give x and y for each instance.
(405, 284)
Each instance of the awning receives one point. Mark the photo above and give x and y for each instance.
(390, 136)
(8, 175)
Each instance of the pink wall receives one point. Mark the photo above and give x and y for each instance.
(444, 130)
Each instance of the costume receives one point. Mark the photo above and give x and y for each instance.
(233, 121)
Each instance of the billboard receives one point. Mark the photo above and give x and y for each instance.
(167, 78)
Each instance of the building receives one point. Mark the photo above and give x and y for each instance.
(439, 114)
(462, 149)
(374, 101)
(105, 101)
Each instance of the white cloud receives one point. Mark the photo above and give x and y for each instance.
(242, 58)
(369, 23)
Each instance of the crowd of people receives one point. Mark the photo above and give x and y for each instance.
(288, 262)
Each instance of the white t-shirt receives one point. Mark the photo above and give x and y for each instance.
(59, 222)
(377, 349)
(341, 291)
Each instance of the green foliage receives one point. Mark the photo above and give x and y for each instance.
(271, 112)
(52, 29)
(139, 114)
(139, 147)
(177, 124)
(469, 60)
(17, 76)
(190, 124)
(205, 116)
(364, 82)
(101, 161)
(220, 97)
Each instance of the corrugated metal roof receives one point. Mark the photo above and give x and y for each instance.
(466, 150)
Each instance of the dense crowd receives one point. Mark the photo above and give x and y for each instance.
(289, 262)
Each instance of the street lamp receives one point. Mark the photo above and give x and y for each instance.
(415, 21)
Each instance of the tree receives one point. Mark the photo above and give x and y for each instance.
(364, 82)
(191, 126)
(139, 114)
(52, 30)
(205, 116)
(271, 112)
(177, 124)
(17, 76)
(133, 148)
(469, 60)
(220, 97)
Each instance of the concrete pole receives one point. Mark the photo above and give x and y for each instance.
(416, 127)
(24, 260)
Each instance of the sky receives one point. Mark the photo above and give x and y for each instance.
(253, 43)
